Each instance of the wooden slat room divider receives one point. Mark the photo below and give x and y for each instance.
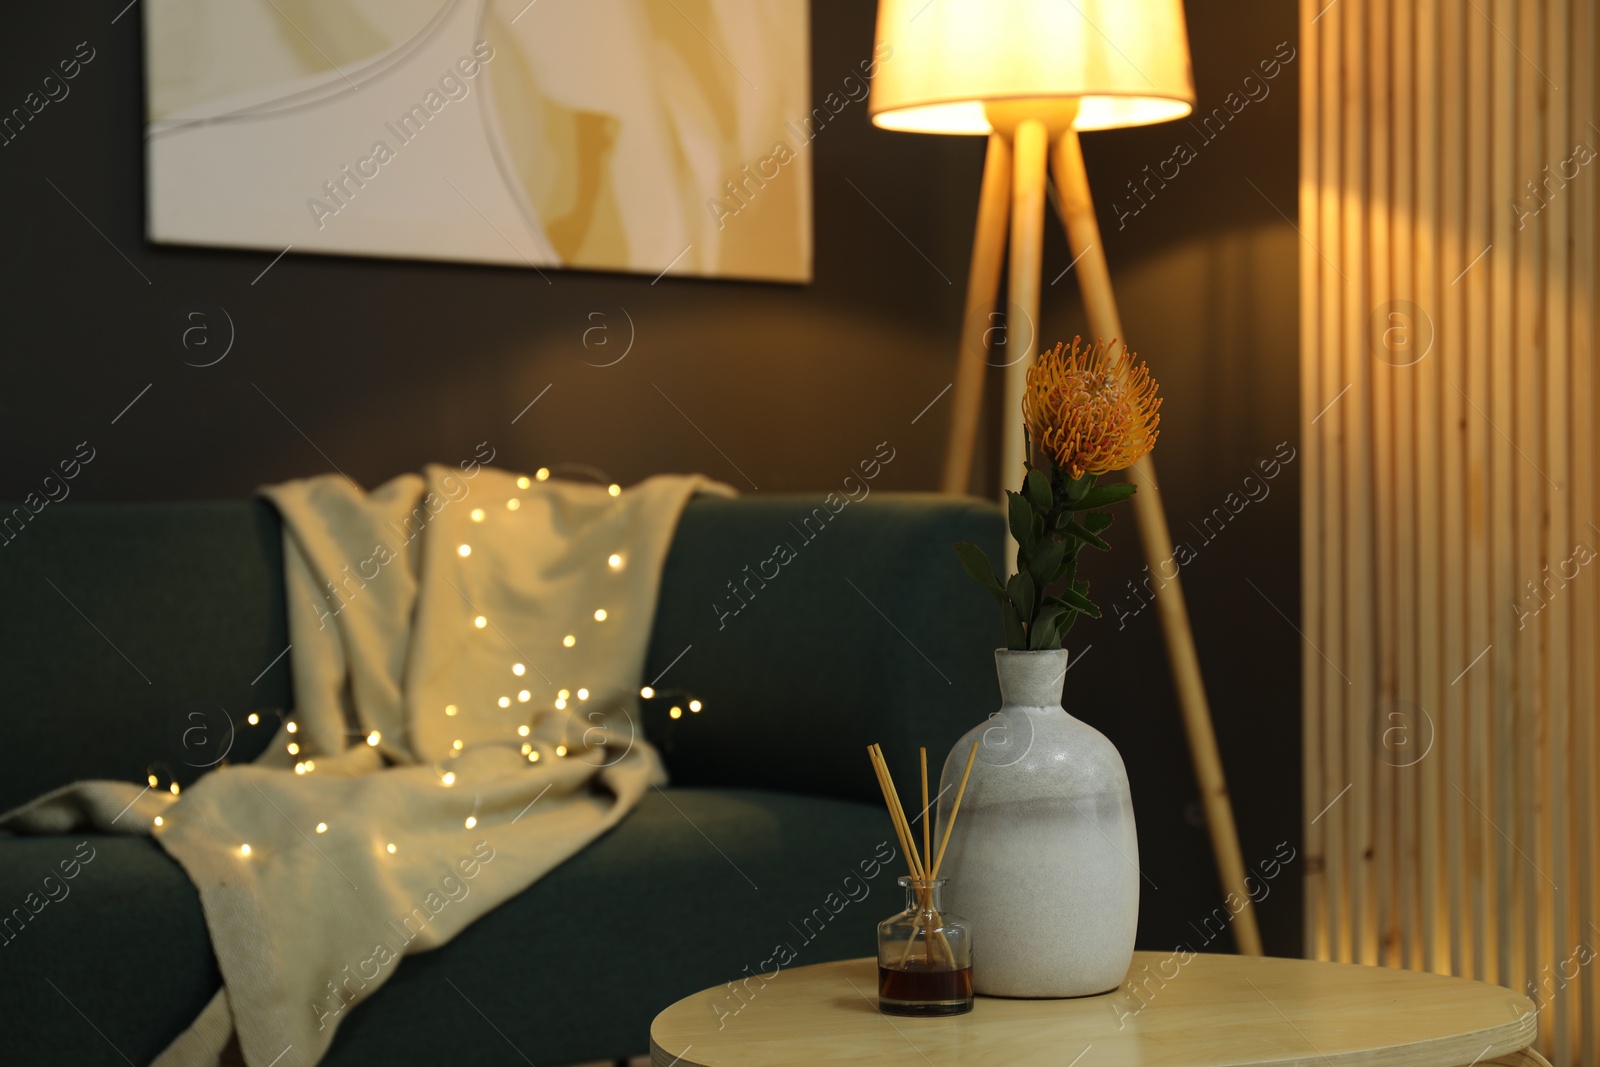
(1447, 202)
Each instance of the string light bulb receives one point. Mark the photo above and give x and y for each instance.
(292, 726)
(244, 850)
(600, 615)
(523, 696)
(513, 504)
(160, 821)
(472, 820)
(569, 641)
(480, 622)
(526, 747)
(252, 718)
(523, 731)
(647, 692)
(533, 757)
(174, 788)
(299, 768)
(676, 712)
(518, 669)
(294, 749)
(543, 474)
(464, 551)
(695, 705)
(449, 709)
(373, 738)
(456, 744)
(154, 781)
(322, 827)
(504, 702)
(311, 765)
(389, 848)
(563, 694)
(561, 750)
(449, 778)
(614, 489)
(615, 561)
(477, 514)
(583, 694)
(523, 483)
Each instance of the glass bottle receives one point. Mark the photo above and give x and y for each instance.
(924, 955)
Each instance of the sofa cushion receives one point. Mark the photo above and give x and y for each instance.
(102, 946)
(694, 888)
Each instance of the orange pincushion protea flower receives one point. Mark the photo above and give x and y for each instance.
(1091, 411)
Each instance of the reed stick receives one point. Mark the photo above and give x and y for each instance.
(907, 845)
(927, 820)
(955, 809)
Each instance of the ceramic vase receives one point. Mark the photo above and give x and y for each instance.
(1044, 859)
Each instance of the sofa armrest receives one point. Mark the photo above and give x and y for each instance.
(809, 634)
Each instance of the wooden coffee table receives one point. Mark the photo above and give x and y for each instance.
(1210, 1011)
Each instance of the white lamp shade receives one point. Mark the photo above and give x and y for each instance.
(1126, 62)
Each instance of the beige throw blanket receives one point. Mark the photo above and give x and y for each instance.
(466, 650)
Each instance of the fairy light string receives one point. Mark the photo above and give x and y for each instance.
(529, 747)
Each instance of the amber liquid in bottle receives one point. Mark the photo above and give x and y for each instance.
(921, 988)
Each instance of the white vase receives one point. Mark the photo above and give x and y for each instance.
(1044, 858)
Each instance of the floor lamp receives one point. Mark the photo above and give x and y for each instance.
(1031, 74)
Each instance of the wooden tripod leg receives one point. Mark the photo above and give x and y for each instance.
(983, 290)
(1083, 234)
(1030, 167)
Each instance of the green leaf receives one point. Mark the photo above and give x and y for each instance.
(1105, 495)
(1068, 568)
(1022, 593)
(1078, 602)
(1074, 530)
(1096, 521)
(976, 563)
(1016, 639)
(1044, 563)
(1044, 633)
(1022, 518)
(1037, 486)
(1077, 488)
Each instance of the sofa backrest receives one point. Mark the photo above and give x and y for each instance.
(138, 638)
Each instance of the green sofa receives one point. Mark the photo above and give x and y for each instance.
(124, 625)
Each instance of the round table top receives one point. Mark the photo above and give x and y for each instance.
(1189, 1010)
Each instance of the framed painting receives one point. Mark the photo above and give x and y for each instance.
(651, 136)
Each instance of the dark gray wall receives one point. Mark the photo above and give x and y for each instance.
(378, 367)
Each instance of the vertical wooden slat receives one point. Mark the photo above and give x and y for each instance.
(1503, 481)
(1330, 625)
(1355, 419)
(1478, 682)
(1430, 667)
(1529, 509)
(1417, 731)
(1585, 755)
(1555, 903)
(1311, 267)
(1385, 921)
(1450, 366)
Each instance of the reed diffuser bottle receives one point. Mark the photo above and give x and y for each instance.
(924, 955)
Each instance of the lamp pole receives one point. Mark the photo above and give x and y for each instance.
(1094, 278)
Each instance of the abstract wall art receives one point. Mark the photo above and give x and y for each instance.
(590, 134)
